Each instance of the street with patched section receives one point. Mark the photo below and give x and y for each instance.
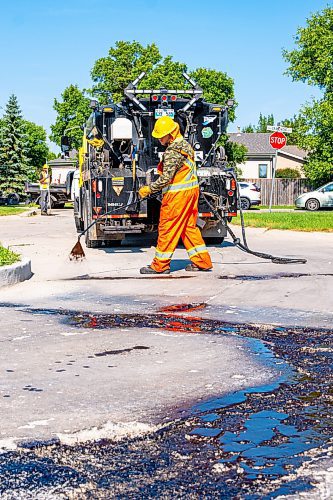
(93, 350)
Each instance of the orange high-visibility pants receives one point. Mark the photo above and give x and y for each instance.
(178, 218)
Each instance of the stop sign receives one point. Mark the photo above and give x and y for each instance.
(277, 140)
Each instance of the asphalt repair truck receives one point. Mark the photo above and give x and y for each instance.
(119, 155)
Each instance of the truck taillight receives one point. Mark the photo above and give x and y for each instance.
(93, 186)
(100, 186)
(154, 98)
(230, 193)
(173, 98)
(233, 184)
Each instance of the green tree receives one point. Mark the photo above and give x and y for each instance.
(124, 63)
(312, 62)
(263, 122)
(236, 154)
(248, 129)
(217, 87)
(37, 148)
(14, 164)
(261, 127)
(72, 113)
(316, 136)
(298, 124)
(127, 60)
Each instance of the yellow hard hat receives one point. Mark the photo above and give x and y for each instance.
(163, 126)
(45, 167)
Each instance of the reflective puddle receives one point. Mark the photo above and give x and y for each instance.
(248, 444)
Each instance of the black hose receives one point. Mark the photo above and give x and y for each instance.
(244, 246)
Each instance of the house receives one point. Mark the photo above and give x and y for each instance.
(260, 156)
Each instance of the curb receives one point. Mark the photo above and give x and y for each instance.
(15, 273)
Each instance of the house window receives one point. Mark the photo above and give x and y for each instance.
(263, 170)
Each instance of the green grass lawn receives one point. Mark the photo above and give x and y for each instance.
(12, 210)
(294, 221)
(7, 257)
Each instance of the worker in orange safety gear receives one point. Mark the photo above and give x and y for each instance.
(179, 210)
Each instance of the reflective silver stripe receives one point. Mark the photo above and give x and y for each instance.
(195, 250)
(181, 186)
(163, 255)
(192, 171)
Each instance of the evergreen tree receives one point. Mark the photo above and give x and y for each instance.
(14, 168)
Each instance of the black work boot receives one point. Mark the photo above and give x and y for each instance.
(192, 267)
(150, 270)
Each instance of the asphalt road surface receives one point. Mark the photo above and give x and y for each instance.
(94, 350)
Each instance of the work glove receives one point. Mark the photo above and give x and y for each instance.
(144, 191)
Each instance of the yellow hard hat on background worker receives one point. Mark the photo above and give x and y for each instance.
(163, 126)
(45, 166)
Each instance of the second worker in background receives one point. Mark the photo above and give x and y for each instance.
(179, 210)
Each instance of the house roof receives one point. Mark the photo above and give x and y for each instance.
(295, 151)
(258, 143)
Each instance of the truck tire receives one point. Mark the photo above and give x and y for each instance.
(87, 220)
(78, 221)
(13, 199)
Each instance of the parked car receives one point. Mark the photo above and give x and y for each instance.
(319, 198)
(249, 194)
(9, 199)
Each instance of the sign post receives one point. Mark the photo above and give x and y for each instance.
(277, 140)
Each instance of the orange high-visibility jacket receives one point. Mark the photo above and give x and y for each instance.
(178, 217)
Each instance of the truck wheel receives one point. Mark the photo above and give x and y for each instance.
(13, 199)
(93, 243)
(87, 220)
(215, 240)
(78, 225)
(78, 221)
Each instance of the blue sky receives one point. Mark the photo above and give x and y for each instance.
(47, 45)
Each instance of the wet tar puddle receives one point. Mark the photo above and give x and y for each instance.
(87, 277)
(264, 277)
(248, 444)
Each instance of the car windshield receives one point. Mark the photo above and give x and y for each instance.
(326, 188)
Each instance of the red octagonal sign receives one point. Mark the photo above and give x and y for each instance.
(277, 140)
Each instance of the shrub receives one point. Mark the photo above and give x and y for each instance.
(287, 173)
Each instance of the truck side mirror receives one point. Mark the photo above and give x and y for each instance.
(65, 145)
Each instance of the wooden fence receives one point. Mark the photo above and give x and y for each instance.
(285, 190)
